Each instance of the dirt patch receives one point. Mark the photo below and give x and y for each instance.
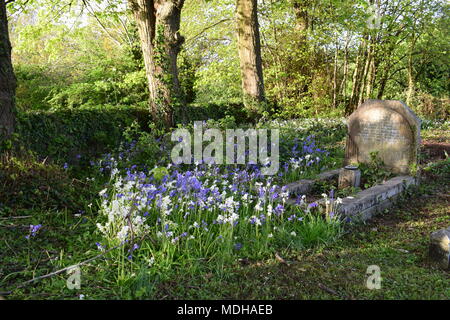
(435, 150)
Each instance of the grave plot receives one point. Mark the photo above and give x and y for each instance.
(381, 153)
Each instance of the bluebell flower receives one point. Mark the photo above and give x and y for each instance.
(33, 230)
(313, 205)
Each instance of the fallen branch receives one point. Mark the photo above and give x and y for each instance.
(24, 284)
(329, 290)
(17, 217)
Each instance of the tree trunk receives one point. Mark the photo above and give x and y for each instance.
(410, 92)
(158, 23)
(249, 47)
(7, 78)
(357, 77)
(365, 73)
(301, 16)
(343, 86)
(335, 70)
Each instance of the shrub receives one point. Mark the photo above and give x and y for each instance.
(65, 133)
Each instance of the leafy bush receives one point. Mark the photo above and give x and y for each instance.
(129, 89)
(374, 172)
(65, 133)
(34, 85)
(218, 111)
(26, 183)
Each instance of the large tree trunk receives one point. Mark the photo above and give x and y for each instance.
(250, 53)
(158, 23)
(7, 78)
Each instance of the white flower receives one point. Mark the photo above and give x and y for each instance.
(293, 234)
(255, 220)
(270, 235)
(123, 233)
(101, 193)
(269, 210)
(151, 261)
(258, 206)
(101, 228)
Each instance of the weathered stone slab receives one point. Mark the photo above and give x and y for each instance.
(300, 187)
(388, 127)
(304, 186)
(366, 203)
(439, 251)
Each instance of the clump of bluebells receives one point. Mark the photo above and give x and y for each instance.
(305, 159)
(169, 213)
(33, 231)
(206, 212)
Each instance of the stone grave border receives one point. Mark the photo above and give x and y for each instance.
(363, 205)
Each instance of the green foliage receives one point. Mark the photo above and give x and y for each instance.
(148, 147)
(217, 111)
(34, 85)
(373, 172)
(313, 231)
(27, 183)
(187, 73)
(63, 134)
(129, 90)
(440, 168)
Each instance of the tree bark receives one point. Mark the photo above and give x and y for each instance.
(365, 73)
(249, 47)
(411, 86)
(158, 23)
(301, 8)
(343, 85)
(7, 79)
(357, 77)
(335, 70)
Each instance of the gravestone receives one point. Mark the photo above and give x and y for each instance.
(388, 127)
(439, 251)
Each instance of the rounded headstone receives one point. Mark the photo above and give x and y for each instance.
(388, 127)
